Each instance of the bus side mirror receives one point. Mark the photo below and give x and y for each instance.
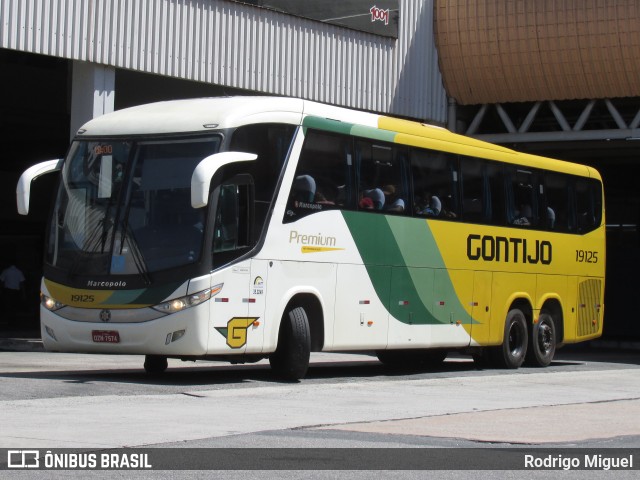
(23, 191)
(207, 168)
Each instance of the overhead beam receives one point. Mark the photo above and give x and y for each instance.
(522, 133)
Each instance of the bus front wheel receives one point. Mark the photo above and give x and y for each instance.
(155, 364)
(290, 361)
(512, 352)
(542, 342)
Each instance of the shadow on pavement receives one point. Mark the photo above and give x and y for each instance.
(599, 351)
(215, 374)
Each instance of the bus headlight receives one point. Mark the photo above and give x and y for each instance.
(49, 303)
(182, 303)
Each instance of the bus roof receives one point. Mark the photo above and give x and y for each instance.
(194, 115)
(206, 114)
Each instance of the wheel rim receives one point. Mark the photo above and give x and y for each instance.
(515, 340)
(545, 337)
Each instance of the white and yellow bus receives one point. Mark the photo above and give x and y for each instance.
(246, 228)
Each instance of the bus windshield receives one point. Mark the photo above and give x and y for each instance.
(123, 207)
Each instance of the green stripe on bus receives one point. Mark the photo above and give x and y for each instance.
(327, 125)
(148, 296)
(408, 249)
(346, 128)
(373, 133)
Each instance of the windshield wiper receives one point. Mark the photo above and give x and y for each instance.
(97, 236)
(136, 254)
(97, 240)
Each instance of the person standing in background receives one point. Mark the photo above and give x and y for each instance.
(13, 289)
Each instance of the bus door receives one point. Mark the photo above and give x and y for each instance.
(234, 308)
(480, 307)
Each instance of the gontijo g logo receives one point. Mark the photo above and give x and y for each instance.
(236, 331)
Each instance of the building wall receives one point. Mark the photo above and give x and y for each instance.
(241, 46)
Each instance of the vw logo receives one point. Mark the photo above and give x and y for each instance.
(105, 315)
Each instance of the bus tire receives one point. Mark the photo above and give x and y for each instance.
(482, 358)
(155, 364)
(433, 358)
(290, 361)
(542, 342)
(392, 358)
(512, 352)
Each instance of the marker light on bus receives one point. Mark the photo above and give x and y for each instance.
(50, 332)
(182, 303)
(172, 337)
(49, 303)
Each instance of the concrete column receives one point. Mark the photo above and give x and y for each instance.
(92, 92)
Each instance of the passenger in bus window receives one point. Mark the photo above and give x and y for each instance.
(304, 189)
(448, 210)
(551, 218)
(429, 205)
(377, 197)
(393, 202)
(365, 203)
(523, 216)
(420, 203)
(322, 198)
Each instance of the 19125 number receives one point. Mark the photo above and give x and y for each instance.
(586, 256)
(82, 298)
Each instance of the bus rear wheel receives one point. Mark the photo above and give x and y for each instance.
(542, 342)
(512, 352)
(155, 364)
(290, 361)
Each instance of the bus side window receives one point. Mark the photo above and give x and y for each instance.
(494, 181)
(555, 203)
(475, 199)
(522, 197)
(588, 204)
(271, 143)
(382, 177)
(596, 197)
(232, 234)
(323, 176)
(435, 182)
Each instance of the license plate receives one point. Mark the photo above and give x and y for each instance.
(105, 336)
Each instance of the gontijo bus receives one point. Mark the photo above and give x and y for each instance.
(247, 228)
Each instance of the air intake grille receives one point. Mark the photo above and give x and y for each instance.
(589, 307)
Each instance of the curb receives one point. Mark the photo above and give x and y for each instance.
(21, 345)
